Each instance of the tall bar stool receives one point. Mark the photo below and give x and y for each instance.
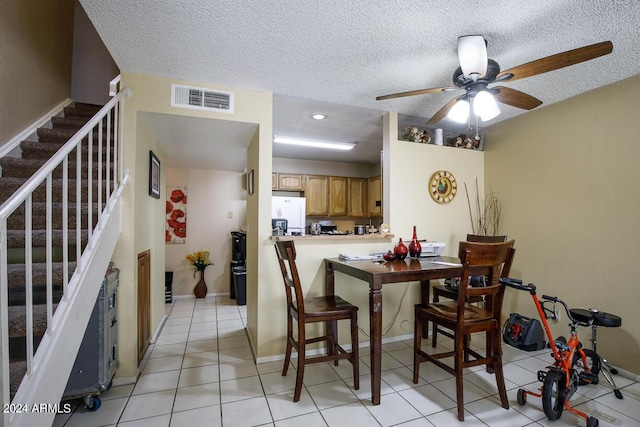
(325, 309)
(599, 318)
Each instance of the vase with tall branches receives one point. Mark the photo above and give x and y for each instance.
(486, 221)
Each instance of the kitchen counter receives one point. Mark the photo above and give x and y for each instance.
(347, 237)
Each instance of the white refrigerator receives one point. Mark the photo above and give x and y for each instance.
(293, 209)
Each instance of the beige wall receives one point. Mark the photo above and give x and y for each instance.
(35, 71)
(569, 186)
(408, 168)
(313, 167)
(93, 67)
(143, 215)
(211, 196)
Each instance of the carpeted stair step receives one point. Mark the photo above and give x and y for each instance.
(76, 123)
(80, 110)
(18, 320)
(18, 328)
(16, 221)
(64, 134)
(17, 276)
(16, 238)
(46, 150)
(17, 371)
(8, 186)
(24, 168)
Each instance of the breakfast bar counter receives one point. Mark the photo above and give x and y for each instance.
(337, 236)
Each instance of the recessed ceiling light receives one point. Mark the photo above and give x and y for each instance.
(318, 116)
(331, 145)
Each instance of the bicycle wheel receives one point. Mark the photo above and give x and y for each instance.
(552, 394)
(593, 363)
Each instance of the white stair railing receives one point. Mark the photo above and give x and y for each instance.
(48, 367)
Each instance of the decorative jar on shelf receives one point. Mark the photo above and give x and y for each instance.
(400, 250)
(415, 248)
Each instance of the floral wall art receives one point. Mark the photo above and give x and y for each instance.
(176, 210)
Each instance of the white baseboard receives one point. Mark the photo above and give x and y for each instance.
(210, 294)
(155, 336)
(124, 381)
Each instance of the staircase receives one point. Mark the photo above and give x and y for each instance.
(15, 172)
(59, 224)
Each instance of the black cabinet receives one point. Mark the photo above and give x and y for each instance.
(238, 258)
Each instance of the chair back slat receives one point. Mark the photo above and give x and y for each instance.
(493, 260)
(485, 239)
(286, 252)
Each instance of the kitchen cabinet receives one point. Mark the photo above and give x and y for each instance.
(274, 181)
(290, 182)
(357, 197)
(316, 191)
(338, 192)
(374, 198)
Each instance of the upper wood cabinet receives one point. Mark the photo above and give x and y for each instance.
(316, 191)
(338, 192)
(274, 181)
(357, 197)
(374, 185)
(290, 182)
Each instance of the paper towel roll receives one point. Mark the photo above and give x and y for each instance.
(437, 137)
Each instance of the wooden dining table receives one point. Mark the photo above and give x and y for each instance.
(377, 274)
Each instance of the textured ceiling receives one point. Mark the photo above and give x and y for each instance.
(348, 52)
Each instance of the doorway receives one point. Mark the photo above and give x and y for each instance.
(144, 302)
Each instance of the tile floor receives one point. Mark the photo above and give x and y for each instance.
(200, 372)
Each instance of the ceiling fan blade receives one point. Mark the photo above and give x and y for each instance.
(416, 92)
(516, 98)
(442, 113)
(559, 60)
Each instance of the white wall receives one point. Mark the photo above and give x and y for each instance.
(212, 196)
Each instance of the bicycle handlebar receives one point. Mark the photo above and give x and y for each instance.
(517, 284)
(531, 288)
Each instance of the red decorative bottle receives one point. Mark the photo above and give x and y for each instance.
(415, 248)
(400, 250)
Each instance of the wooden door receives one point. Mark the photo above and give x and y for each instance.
(290, 182)
(316, 191)
(357, 197)
(375, 196)
(144, 302)
(338, 196)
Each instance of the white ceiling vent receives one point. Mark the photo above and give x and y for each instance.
(201, 98)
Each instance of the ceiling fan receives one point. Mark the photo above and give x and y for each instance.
(476, 72)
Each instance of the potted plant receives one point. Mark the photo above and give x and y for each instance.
(200, 261)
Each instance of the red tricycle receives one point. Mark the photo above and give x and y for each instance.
(573, 365)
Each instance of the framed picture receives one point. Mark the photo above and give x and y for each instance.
(154, 176)
(250, 182)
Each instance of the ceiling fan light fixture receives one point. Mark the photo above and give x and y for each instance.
(459, 112)
(485, 106)
(314, 143)
(472, 54)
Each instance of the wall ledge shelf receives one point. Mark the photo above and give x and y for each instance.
(346, 237)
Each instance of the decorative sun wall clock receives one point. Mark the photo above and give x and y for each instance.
(443, 186)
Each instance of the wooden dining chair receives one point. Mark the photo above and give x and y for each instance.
(328, 309)
(447, 291)
(493, 260)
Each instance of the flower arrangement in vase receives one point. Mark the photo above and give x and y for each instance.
(200, 261)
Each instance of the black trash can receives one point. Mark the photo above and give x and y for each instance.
(240, 284)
